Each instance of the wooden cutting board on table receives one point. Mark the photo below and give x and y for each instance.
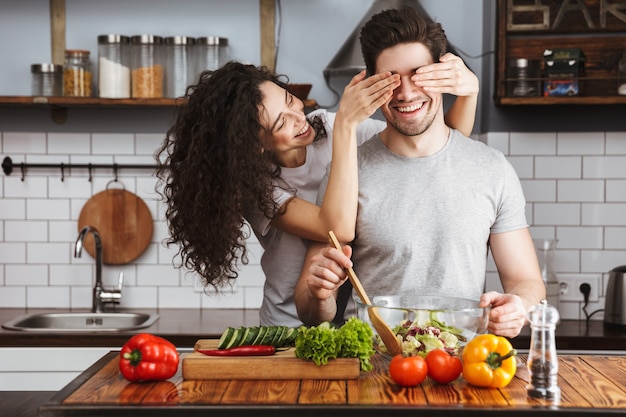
(282, 365)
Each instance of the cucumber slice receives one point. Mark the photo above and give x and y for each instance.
(260, 335)
(288, 337)
(291, 336)
(280, 330)
(225, 338)
(249, 336)
(237, 335)
(269, 335)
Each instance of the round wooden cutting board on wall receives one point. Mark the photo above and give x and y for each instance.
(124, 222)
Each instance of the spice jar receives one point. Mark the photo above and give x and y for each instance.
(543, 364)
(146, 66)
(114, 66)
(46, 80)
(211, 53)
(179, 69)
(523, 78)
(77, 75)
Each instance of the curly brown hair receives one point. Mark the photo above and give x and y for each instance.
(211, 169)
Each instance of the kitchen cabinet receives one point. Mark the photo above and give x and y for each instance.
(525, 28)
(44, 368)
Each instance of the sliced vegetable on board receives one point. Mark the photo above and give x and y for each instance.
(277, 336)
(249, 350)
(317, 343)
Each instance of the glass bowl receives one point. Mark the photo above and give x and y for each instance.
(426, 322)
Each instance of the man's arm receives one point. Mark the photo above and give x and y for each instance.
(323, 272)
(516, 260)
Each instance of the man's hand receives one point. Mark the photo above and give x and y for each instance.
(327, 271)
(323, 272)
(508, 314)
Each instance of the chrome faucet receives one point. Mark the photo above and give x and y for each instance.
(101, 296)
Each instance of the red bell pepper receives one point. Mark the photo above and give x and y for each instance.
(146, 357)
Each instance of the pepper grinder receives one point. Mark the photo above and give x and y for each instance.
(542, 360)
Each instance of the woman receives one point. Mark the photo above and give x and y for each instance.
(242, 154)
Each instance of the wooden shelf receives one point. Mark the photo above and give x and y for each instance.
(525, 29)
(550, 101)
(94, 102)
(86, 101)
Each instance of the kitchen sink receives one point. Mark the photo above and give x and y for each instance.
(81, 322)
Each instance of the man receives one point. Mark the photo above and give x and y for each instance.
(432, 202)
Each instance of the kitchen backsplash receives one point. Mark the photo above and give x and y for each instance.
(575, 185)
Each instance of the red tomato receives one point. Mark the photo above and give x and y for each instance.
(442, 366)
(408, 371)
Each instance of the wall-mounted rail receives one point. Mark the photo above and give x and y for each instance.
(8, 166)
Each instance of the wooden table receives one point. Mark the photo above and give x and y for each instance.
(589, 384)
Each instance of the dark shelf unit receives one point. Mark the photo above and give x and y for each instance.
(525, 28)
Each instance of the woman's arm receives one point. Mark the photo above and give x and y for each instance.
(451, 76)
(361, 98)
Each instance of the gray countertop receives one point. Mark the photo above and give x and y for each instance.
(184, 327)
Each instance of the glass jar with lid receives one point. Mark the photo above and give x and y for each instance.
(146, 66)
(211, 53)
(46, 79)
(179, 65)
(114, 66)
(77, 74)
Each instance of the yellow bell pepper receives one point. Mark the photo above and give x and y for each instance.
(489, 361)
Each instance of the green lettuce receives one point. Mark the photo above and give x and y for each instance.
(325, 341)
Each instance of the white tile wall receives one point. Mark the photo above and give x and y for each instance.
(575, 185)
(38, 228)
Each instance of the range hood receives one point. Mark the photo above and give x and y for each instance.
(349, 61)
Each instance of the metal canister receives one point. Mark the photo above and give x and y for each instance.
(46, 79)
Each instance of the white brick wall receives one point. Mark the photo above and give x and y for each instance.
(575, 185)
(575, 189)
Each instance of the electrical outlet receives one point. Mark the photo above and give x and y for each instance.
(570, 288)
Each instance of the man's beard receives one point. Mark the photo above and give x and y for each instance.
(411, 129)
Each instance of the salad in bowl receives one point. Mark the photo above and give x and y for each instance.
(423, 323)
